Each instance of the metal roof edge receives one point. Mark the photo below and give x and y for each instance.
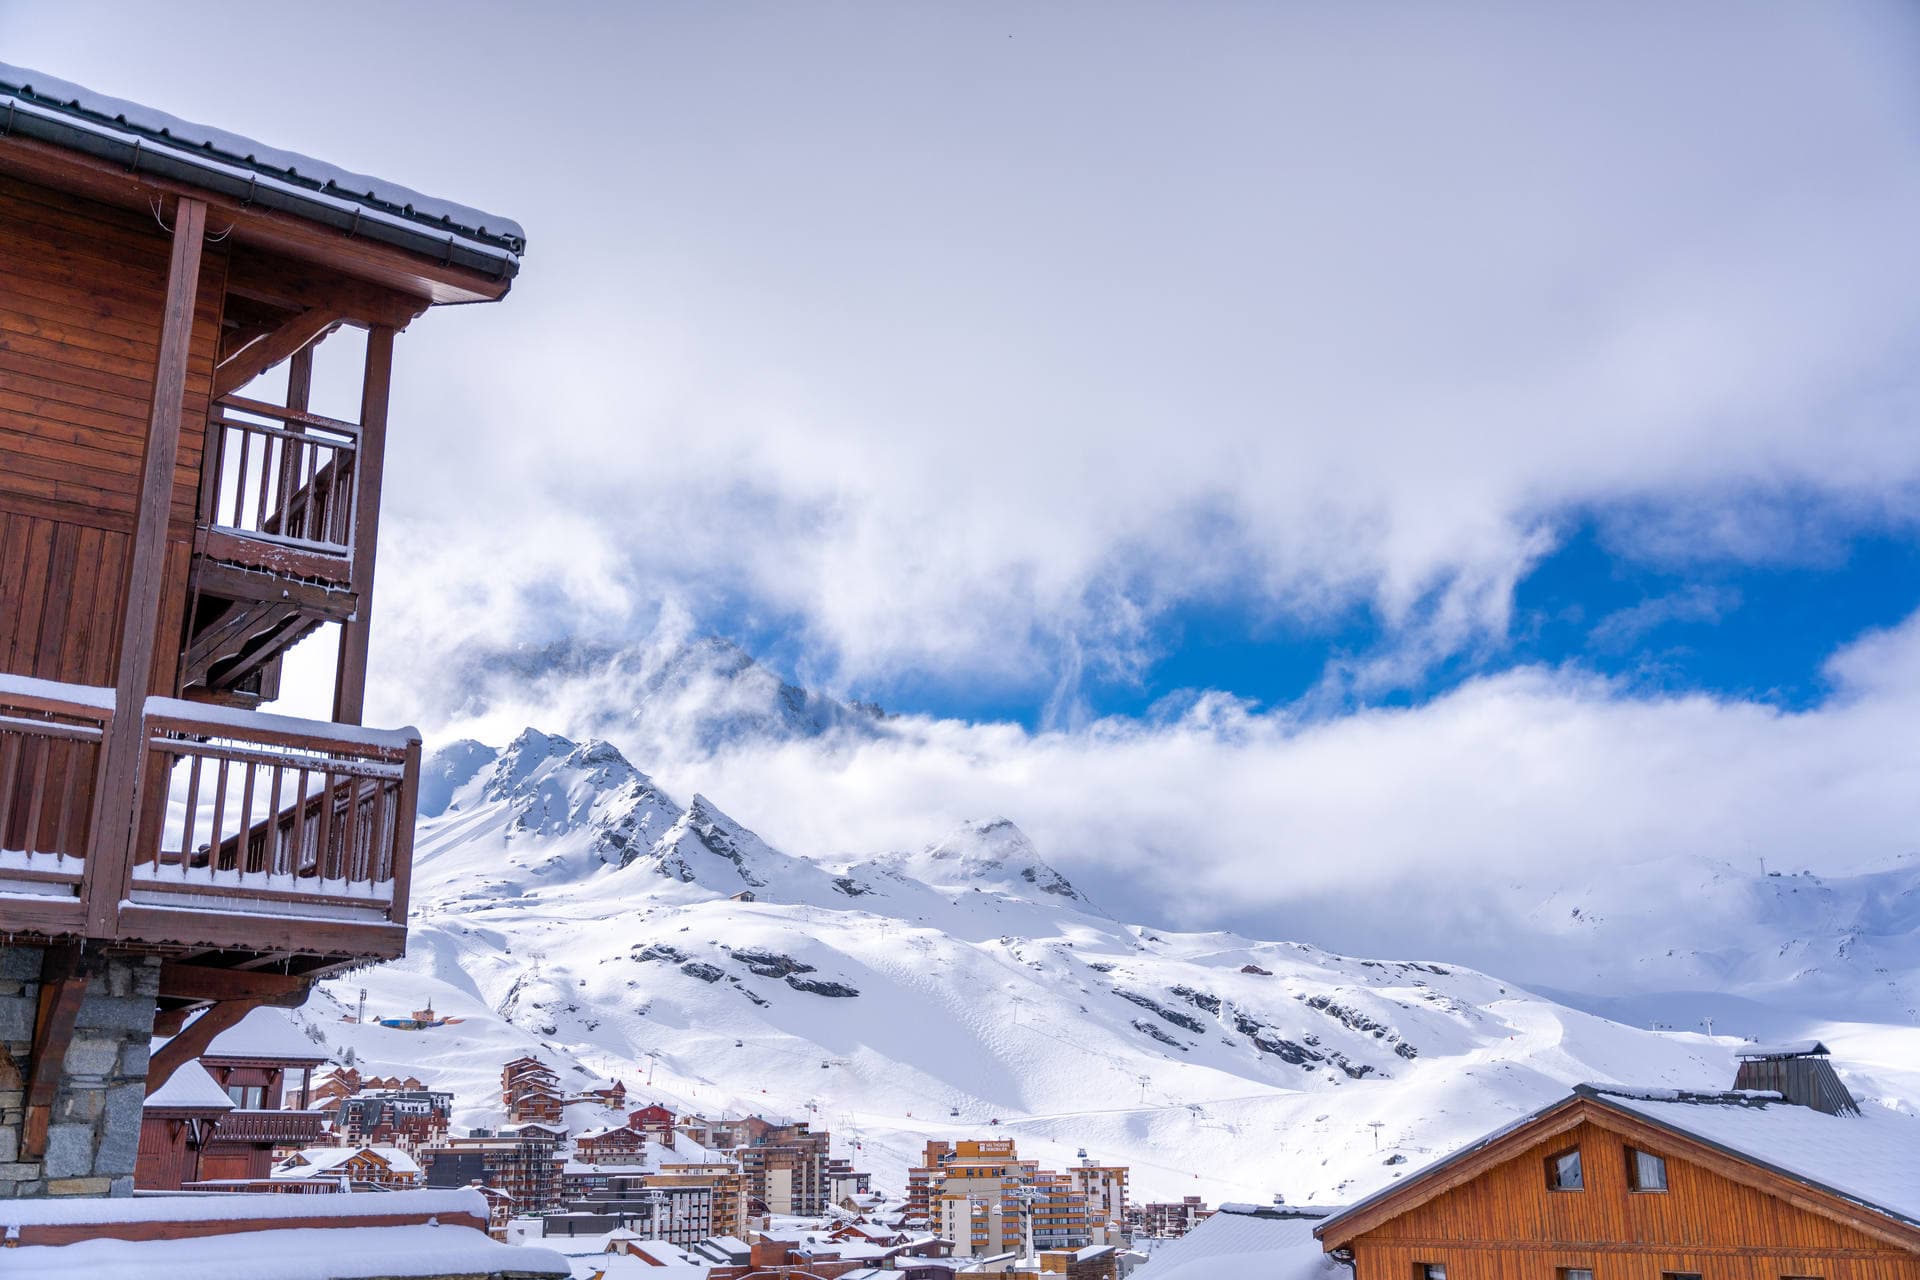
(71, 127)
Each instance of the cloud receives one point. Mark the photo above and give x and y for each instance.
(972, 341)
(1620, 630)
(1427, 830)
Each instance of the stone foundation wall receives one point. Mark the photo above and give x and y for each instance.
(94, 1134)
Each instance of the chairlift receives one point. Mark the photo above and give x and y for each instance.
(953, 1111)
(739, 1044)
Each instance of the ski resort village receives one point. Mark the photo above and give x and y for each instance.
(287, 995)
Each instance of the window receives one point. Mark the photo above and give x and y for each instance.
(1679, 1275)
(1563, 1174)
(1429, 1271)
(1646, 1172)
(248, 1097)
(1574, 1273)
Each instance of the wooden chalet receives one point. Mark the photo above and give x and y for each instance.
(168, 531)
(1614, 1184)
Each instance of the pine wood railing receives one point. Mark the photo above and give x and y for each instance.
(278, 489)
(246, 811)
(51, 736)
(251, 831)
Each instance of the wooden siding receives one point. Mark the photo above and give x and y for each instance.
(81, 287)
(1507, 1225)
(165, 1158)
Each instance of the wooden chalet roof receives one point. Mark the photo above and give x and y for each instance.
(57, 111)
(1862, 1170)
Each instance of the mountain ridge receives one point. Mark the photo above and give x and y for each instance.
(566, 906)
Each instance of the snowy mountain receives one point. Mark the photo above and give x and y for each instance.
(1772, 955)
(565, 905)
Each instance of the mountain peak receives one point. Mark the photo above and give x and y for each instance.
(995, 849)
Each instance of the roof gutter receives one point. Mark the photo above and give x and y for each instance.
(141, 154)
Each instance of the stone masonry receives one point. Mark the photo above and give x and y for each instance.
(95, 1130)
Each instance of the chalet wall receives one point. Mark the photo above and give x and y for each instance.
(81, 291)
(93, 1139)
(1507, 1225)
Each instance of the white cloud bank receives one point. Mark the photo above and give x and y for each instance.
(1394, 831)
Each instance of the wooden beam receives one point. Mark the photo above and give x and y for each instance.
(299, 334)
(115, 820)
(192, 1040)
(350, 675)
(300, 378)
(257, 586)
(383, 270)
(292, 285)
(181, 981)
(63, 985)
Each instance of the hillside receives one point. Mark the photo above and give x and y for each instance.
(565, 904)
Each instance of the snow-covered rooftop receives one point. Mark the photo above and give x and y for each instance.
(190, 1087)
(1872, 1158)
(1790, 1049)
(320, 1160)
(265, 1033)
(238, 1206)
(1245, 1240)
(37, 95)
(298, 1253)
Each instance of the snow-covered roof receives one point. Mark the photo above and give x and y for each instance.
(71, 115)
(1872, 1158)
(299, 1253)
(265, 1033)
(320, 1160)
(237, 1206)
(190, 1088)
(1246, 1240)
(1791, 1049)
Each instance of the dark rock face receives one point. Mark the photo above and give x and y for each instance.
(770, 964)
(819, 987)
(1147, 1028)
(1199, 999)
(704, 972)
(1178, 1019)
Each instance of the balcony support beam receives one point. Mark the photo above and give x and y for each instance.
(110, 859)
(63, 985)
(350, 676)
(192, 1040)
(300, 333)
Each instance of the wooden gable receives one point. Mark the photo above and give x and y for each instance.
(1493, 1215)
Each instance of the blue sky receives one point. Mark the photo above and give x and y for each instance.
(1735, 629)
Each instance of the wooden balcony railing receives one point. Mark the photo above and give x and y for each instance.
(253, 832)
(50, 754)
(277, 489)
(291, 1128)
(246, 811)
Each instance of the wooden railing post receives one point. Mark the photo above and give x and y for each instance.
(350, 676)
(111, 849)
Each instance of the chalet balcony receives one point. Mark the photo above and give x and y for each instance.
(274, 548)
(282, 1128)
(249, 832)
